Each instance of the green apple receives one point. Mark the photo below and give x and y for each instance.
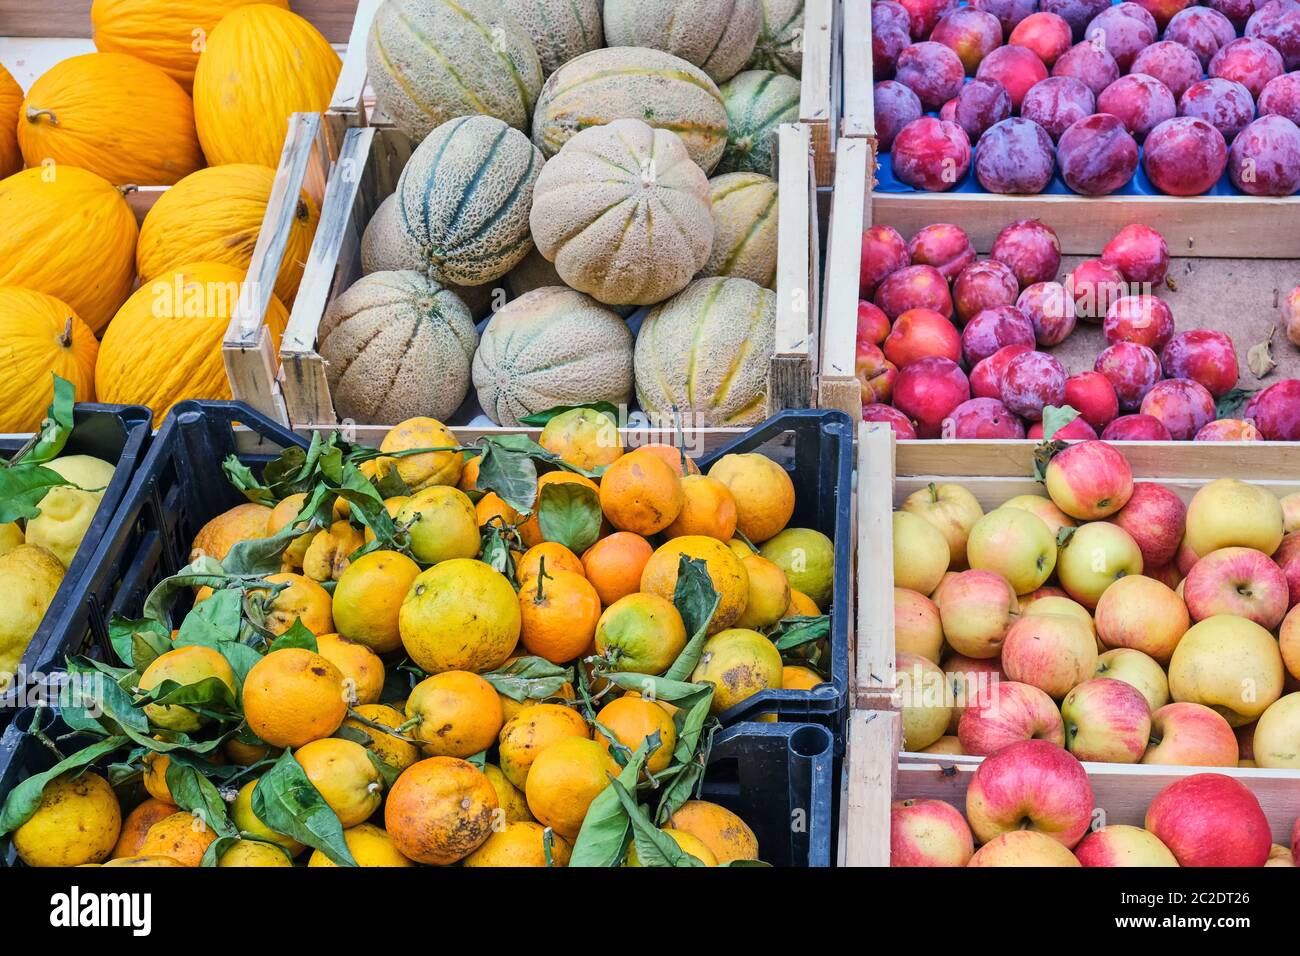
(1015, 544)
(952, 510)
(1097, 555)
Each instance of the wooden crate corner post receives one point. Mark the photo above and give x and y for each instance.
(818, 84)
(870, 766)
(347, 108)
(791, 372)
(874, 650)
(858, 115)
(838, 385)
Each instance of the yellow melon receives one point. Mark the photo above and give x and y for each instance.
(41, 337)
(744, 228)
(718, 36)
(11, 97)
(164, 345)
(215, 215)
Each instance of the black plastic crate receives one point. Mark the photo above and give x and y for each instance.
(115, 433)
(777, 777)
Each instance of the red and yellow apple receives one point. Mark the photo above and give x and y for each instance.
(951, 509)
(917, 629)
(1141, 613)
(976, 608)
(1030, 785)
(1210, 819)
(1097, 555)
(1023, 848)
(1089, 480)
(921, 553)
(946, 745)
(1123, 845)
(1191, 735)
(1009, 713)
(1053, 652)
(1229, 513)
(1045, 508)
(1155, 518)
(1138, 670)
(1240, 581)
(1288, 637)
(1290, 512)
(1106, 720)
(928, 833)
(1277, 735)
(1229, 664)
(1015, 544)
(970, 680)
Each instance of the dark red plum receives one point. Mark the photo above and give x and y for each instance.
(1090, 64)
(1281, 97)
(1162, 10)
(1032, 381)
(1248, 61)
(1015, 156)
(1265, 157)
(927, 391)
(1016, 68)
(1229, 429)
(1205, 356)
(980, 105)
(1097, 155)
(933, 71)
(1045, 34)
(1184, 407)
(1238, 12)
(886, 45)
(1030, 248)
(1140, 253)
(983, 419)
(1141, 319)
(1008, 12)
(888, 414)
(931, 154)
(1277, 23)
(994, 329)
(1050, 310)
(1171, 63)
(1094, 285)
(883, 252)
(1276, 411)
(1141, 101)
(944, 246)
(924, 14)
(1057, 103)
(1077, 13)
(986, 376)
(1136, 428)
(948, 112)
(1124, 30)
(914, 287)
(1184, 156)
(1132, 370)
(1202, 31)
(983, 285)
(1224, 104)
(896, 106)
(971, 34)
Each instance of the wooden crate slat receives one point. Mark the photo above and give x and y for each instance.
(818, 105)
(838, 384)
(71, 18)
(791, 372)
(347, 106)
(874, 651)
(870, 764)
(859, 110)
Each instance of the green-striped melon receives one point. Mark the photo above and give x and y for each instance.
(561, 29)
(397, 346)
(385, 247)
(433, 60)
(718, 36)
(744, 228)
(758, 101)
(705, 353)
(632, 83)
(624, 214)
(552, 347)
(464, 197)
(780, 38)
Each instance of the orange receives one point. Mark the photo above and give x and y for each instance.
(740, 549)
(279, 518)
(613, 565)
(342, 773)
(441, 523)
(800, 678)
(739, 663)
(631, 720)
(769, 594)
(726, 835)
(640, 493)
(292, 697)
(513, 803)
(139, 861)
(391, 750)
(640, 633)
(459, 714)
(371, 468)
(249, 823)
(687, 842)
(253, 853)
(330, 552)
(244, 754)
(763, 491)
(672, 457)
(558, 615)
(440, 811)
(369, 845)
(241, 523)
(801, 605)
(362, 670)
(563, 781)
(558, 558)
(392, 505)
(469, 473)
(182, 836)
(460, 615)
(510, 707)
(184, 665)
(492, 505)
(520, 844)
(531, 731)
(429, 468)
(369, 596)
(582, 437)
(303, 600)
(137, 823)
(707, 508)
(530, 531)
(726, 571)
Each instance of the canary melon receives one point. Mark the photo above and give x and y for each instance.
(705, 353)
(260, 65)
(463, 199)
(113, 115)
(718, 36)
(631, 83)
(744, 228)
(215, 215)
(780, 38)
(551, 347)
(41, 337)
(623, 213)
(560, 29)
(430, 61)
(398, 346)
(70, 234)
(164, 344)
(758, 102)
(11, 97)
(168, 35)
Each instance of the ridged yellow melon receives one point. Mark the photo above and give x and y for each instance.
(11, 97)
(116, 116)
(629, 83)
(398, 346)
(464, 197)
(560, 29)
(215, 215)
(780, 38)
(623, 213)
(551, 347)
(430, 61)
(744, 228)
(40, 337)
(164, 344)
(70, 234)
(167, 33)
(261, 64)
(758, 102)
(718, 36)
(706, 352)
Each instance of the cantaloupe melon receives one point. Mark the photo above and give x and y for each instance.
(464, 197)
(632, 83)
(744, 228)
(433, 60)
(560, 29)
(398, 346)
(758, 101)
(551, 347)
(780, 38)
(718, 36)
(624, 213)
(11, 97)
(706, 353)
(385, 247)
(42, 337)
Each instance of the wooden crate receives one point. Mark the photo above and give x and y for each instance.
(370, 161)
(819, 99)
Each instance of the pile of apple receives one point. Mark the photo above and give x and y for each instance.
(1106, 617)
(1031, 804)
(953, 346)
(1089, 89)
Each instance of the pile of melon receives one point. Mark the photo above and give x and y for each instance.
(607, 167)
(194, 95)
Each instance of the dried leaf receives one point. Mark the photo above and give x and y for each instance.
(1259, 359)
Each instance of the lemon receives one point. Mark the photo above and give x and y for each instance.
(78, 821)
(370, 846)
(11, 536)
(65, 517)
(808, 559)
(84, 471)
(29, 578)
(254, 853)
